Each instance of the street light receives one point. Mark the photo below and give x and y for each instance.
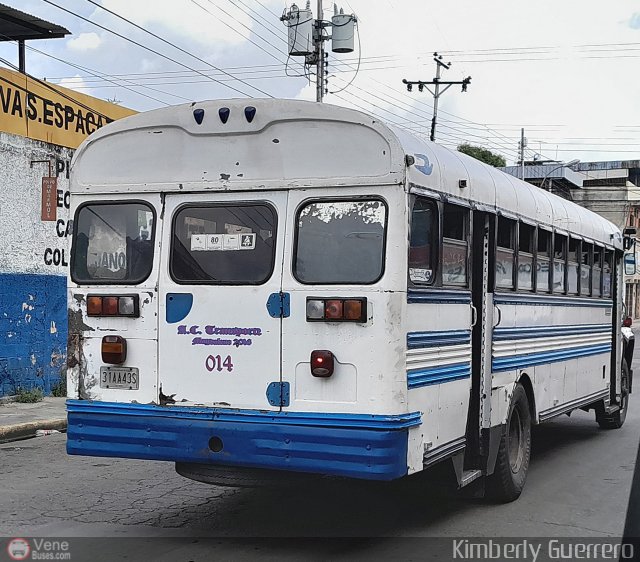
(564, 165)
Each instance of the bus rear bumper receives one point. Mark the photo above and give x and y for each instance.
(365, 446)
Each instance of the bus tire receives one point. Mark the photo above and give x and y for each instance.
(616, 419)
(512, 463)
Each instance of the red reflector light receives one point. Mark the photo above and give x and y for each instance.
(94, 306)
(114, 350)
(321, 363)
(627, 322)
(110, 306)
(333, 310)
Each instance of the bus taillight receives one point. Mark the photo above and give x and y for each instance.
(321, 363)
(114, 350)
(337, 310)
(106, 305)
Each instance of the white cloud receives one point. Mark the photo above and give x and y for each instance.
(75, 83)
(84, 42)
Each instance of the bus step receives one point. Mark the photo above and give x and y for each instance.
(469, 476)
(611, 409)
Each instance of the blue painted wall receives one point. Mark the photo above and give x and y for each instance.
(33, 331)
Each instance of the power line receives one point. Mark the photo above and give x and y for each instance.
(49, 87)
(106, 77)
(149, 48)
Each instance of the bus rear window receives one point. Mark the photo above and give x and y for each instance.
(340, 242)
(113, 243)
(224, 244)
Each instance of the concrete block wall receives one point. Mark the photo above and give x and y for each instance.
(34, 257)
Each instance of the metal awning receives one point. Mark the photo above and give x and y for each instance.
(18, 26)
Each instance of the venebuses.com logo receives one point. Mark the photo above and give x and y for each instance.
(18, 549)
(38, 549)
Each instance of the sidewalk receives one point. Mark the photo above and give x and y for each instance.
(19, 421)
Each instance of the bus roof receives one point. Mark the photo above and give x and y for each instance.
(275, 144)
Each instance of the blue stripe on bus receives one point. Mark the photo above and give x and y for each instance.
(532, 359)
(435, 296)
(550, 300)
(436, 375)
(518, 333)
(388, 422)
(268, 440)
(417, 340)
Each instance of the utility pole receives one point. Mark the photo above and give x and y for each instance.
(319, 55)
(307, 37)
(436, 92)
(521, 146)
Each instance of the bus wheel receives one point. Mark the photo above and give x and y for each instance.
(512, 463)
(615, 420)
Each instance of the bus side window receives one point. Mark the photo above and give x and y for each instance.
(573, 266)
(585, 269)
(597, 271)
(559, 262)
(543, 261)
(421, 242)
(505, 253)
(455, 231)
(607, 273)
(525, 256)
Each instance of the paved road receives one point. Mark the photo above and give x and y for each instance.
(578, 485)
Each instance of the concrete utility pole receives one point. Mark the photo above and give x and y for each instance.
(521, 146)
(320, 67)
(437, 92)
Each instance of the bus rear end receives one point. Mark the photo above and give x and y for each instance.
(245, 325)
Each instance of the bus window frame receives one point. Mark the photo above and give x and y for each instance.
(548, 290)
(588, 291)
(126, 282)
(467, 241)
(436, 240)
(344, 199)
(578, 240)
(217, 204)
(565, 235)
(534, 256)
(514, 223)
(598, 293)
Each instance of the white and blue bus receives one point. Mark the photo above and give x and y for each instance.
(273, 285)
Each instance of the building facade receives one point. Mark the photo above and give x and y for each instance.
(40, 125)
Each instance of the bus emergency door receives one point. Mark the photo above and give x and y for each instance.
(220, 300)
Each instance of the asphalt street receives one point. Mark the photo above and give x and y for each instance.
(578, 486)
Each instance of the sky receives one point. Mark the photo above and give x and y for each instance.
(565, 71)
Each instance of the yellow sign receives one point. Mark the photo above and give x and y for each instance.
(53, 114)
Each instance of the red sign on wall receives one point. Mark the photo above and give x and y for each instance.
(49, 202)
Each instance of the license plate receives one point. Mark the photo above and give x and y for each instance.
(126, 378)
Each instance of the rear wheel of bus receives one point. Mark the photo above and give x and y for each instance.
(616, 419)
(512, 463)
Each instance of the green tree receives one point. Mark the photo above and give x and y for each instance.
(482, 154)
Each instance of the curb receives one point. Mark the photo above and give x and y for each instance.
(26, 430)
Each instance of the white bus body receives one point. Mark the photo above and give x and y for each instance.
(237, 237)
